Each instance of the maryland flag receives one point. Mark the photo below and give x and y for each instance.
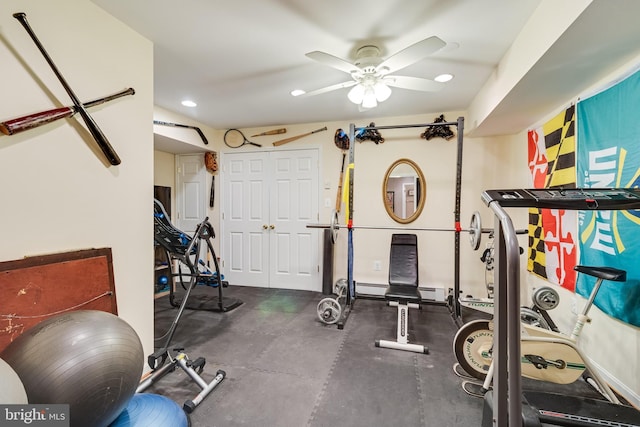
(552, 242)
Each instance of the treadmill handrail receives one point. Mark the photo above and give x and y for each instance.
(512, 252)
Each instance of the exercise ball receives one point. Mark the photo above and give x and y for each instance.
(151, 410)
(12, 391)
(163, 280)
(91, 360)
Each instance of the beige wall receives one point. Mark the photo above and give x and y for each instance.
(57, 192)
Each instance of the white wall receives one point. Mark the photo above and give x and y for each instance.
(57, 192)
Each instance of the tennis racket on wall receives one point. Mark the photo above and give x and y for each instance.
(233, 138)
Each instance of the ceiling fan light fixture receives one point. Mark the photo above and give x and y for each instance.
(297, 92)
(382, 91)
(356, 94)
(189, 103)
(369, 100)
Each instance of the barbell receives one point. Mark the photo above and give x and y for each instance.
(475, 229)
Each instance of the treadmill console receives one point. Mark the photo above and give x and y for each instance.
(570, 199)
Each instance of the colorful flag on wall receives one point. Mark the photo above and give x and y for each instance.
(552, 242)
(609, 156)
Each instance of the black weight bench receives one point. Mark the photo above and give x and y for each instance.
(403, 291)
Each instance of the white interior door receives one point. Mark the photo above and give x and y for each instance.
(268, 199)
(191, 191)
(245, 219)
(293, 204)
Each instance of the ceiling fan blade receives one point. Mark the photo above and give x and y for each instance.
(329, 88)
(332, 61)
(413, 83)
(411, 54)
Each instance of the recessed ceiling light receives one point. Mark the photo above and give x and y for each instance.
(297, 92)
(188, 103)
(443, 78)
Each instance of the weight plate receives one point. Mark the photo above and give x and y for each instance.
(340, 286)
(546, 298)
(329, 311)
(475, 230)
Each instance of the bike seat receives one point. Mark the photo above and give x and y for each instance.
(605, 273)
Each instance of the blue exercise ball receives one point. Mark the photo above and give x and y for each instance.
(89, 359)
(151, 410)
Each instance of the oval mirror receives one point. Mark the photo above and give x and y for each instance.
(404, 191)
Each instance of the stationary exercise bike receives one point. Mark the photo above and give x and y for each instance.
(476, 336)
(543, 299)
(546, 355)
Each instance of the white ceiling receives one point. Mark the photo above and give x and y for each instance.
(239, 59)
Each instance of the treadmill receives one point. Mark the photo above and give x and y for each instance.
(507, 405)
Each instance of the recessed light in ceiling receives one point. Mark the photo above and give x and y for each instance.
(297, 92)
(443, 78)
(188, 103)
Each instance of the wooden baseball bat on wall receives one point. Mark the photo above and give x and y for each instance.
(293, 138)
(95, 131)
(30, 121)
(271, 132)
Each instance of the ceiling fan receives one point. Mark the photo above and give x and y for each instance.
(372, 75)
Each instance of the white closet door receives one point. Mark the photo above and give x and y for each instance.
(245, 219)
(294, 204)
(269, 198)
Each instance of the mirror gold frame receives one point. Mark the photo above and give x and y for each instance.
(422, 196)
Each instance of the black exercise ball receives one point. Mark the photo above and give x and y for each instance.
(89, 359)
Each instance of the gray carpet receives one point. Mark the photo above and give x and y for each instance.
(285, 368)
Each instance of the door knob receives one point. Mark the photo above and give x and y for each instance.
(272, 226)
(264, 226)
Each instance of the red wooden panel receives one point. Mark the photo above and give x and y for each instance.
(36, 288)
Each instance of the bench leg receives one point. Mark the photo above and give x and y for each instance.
(402, 341)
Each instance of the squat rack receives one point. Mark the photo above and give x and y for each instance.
(350, 291)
